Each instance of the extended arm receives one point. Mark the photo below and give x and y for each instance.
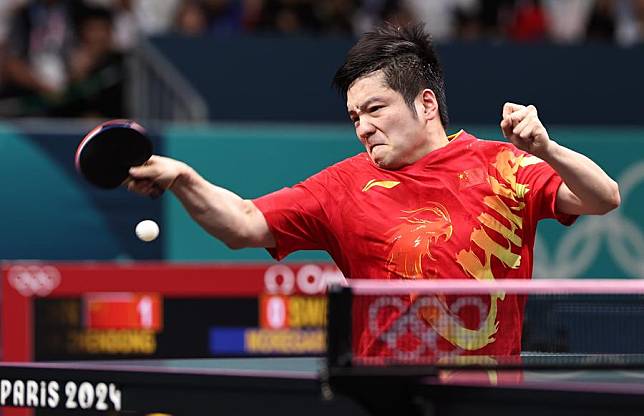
(235, 221)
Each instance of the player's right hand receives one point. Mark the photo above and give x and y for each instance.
(154, 176)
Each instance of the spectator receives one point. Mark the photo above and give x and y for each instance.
(496, 17)
(372, 12)
(191, 19)
(251, 14)
(155, 17)
(601, 24)
(135, 18)
(289, 17)
(567, 19)
(125, 26)
(226, 16)
(336, 16)
(7, 9)
(35, 63)
(97, 73)
(467, 23)
(438, 15)
(529, 21)
(630, 22)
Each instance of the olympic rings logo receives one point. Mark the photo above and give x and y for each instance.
(34, 280)
(411, 324)
(310, 279)
(579, 247)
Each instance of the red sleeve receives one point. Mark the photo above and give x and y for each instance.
(296, 217)
(544, 184)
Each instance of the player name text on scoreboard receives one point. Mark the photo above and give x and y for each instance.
(51, 394)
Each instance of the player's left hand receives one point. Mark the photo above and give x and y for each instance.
(521, 125)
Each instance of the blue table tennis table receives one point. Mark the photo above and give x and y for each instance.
(304, 386)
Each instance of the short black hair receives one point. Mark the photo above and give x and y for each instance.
(406, 56)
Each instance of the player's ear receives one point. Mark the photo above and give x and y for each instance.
(428, 105)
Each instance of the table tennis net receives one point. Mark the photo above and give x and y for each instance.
(490, 323)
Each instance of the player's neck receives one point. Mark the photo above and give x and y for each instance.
(436, 139)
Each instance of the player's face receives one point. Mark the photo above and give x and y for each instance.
(390, 132)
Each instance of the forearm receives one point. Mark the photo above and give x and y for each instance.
(596, 191)
(222, 213)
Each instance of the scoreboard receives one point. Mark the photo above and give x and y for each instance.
(76, 311)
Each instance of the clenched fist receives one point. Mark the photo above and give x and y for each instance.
(521, 125)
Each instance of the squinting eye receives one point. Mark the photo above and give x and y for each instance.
(375, 108)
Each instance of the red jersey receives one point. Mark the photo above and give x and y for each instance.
(467, 210)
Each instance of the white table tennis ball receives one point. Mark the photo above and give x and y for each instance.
(147, 230)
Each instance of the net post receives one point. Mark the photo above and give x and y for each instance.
(339, 326)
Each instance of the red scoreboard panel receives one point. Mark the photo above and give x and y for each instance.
(53, 311)
(122, 310)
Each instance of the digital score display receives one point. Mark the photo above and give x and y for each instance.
(95, 311)
(162, 328)
(122, 310)
(282, 311)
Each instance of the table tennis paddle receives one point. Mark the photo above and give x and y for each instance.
(106, 153)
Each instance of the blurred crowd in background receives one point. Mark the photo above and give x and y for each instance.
(66, 57)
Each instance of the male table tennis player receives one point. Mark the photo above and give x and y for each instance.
(417, 204)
